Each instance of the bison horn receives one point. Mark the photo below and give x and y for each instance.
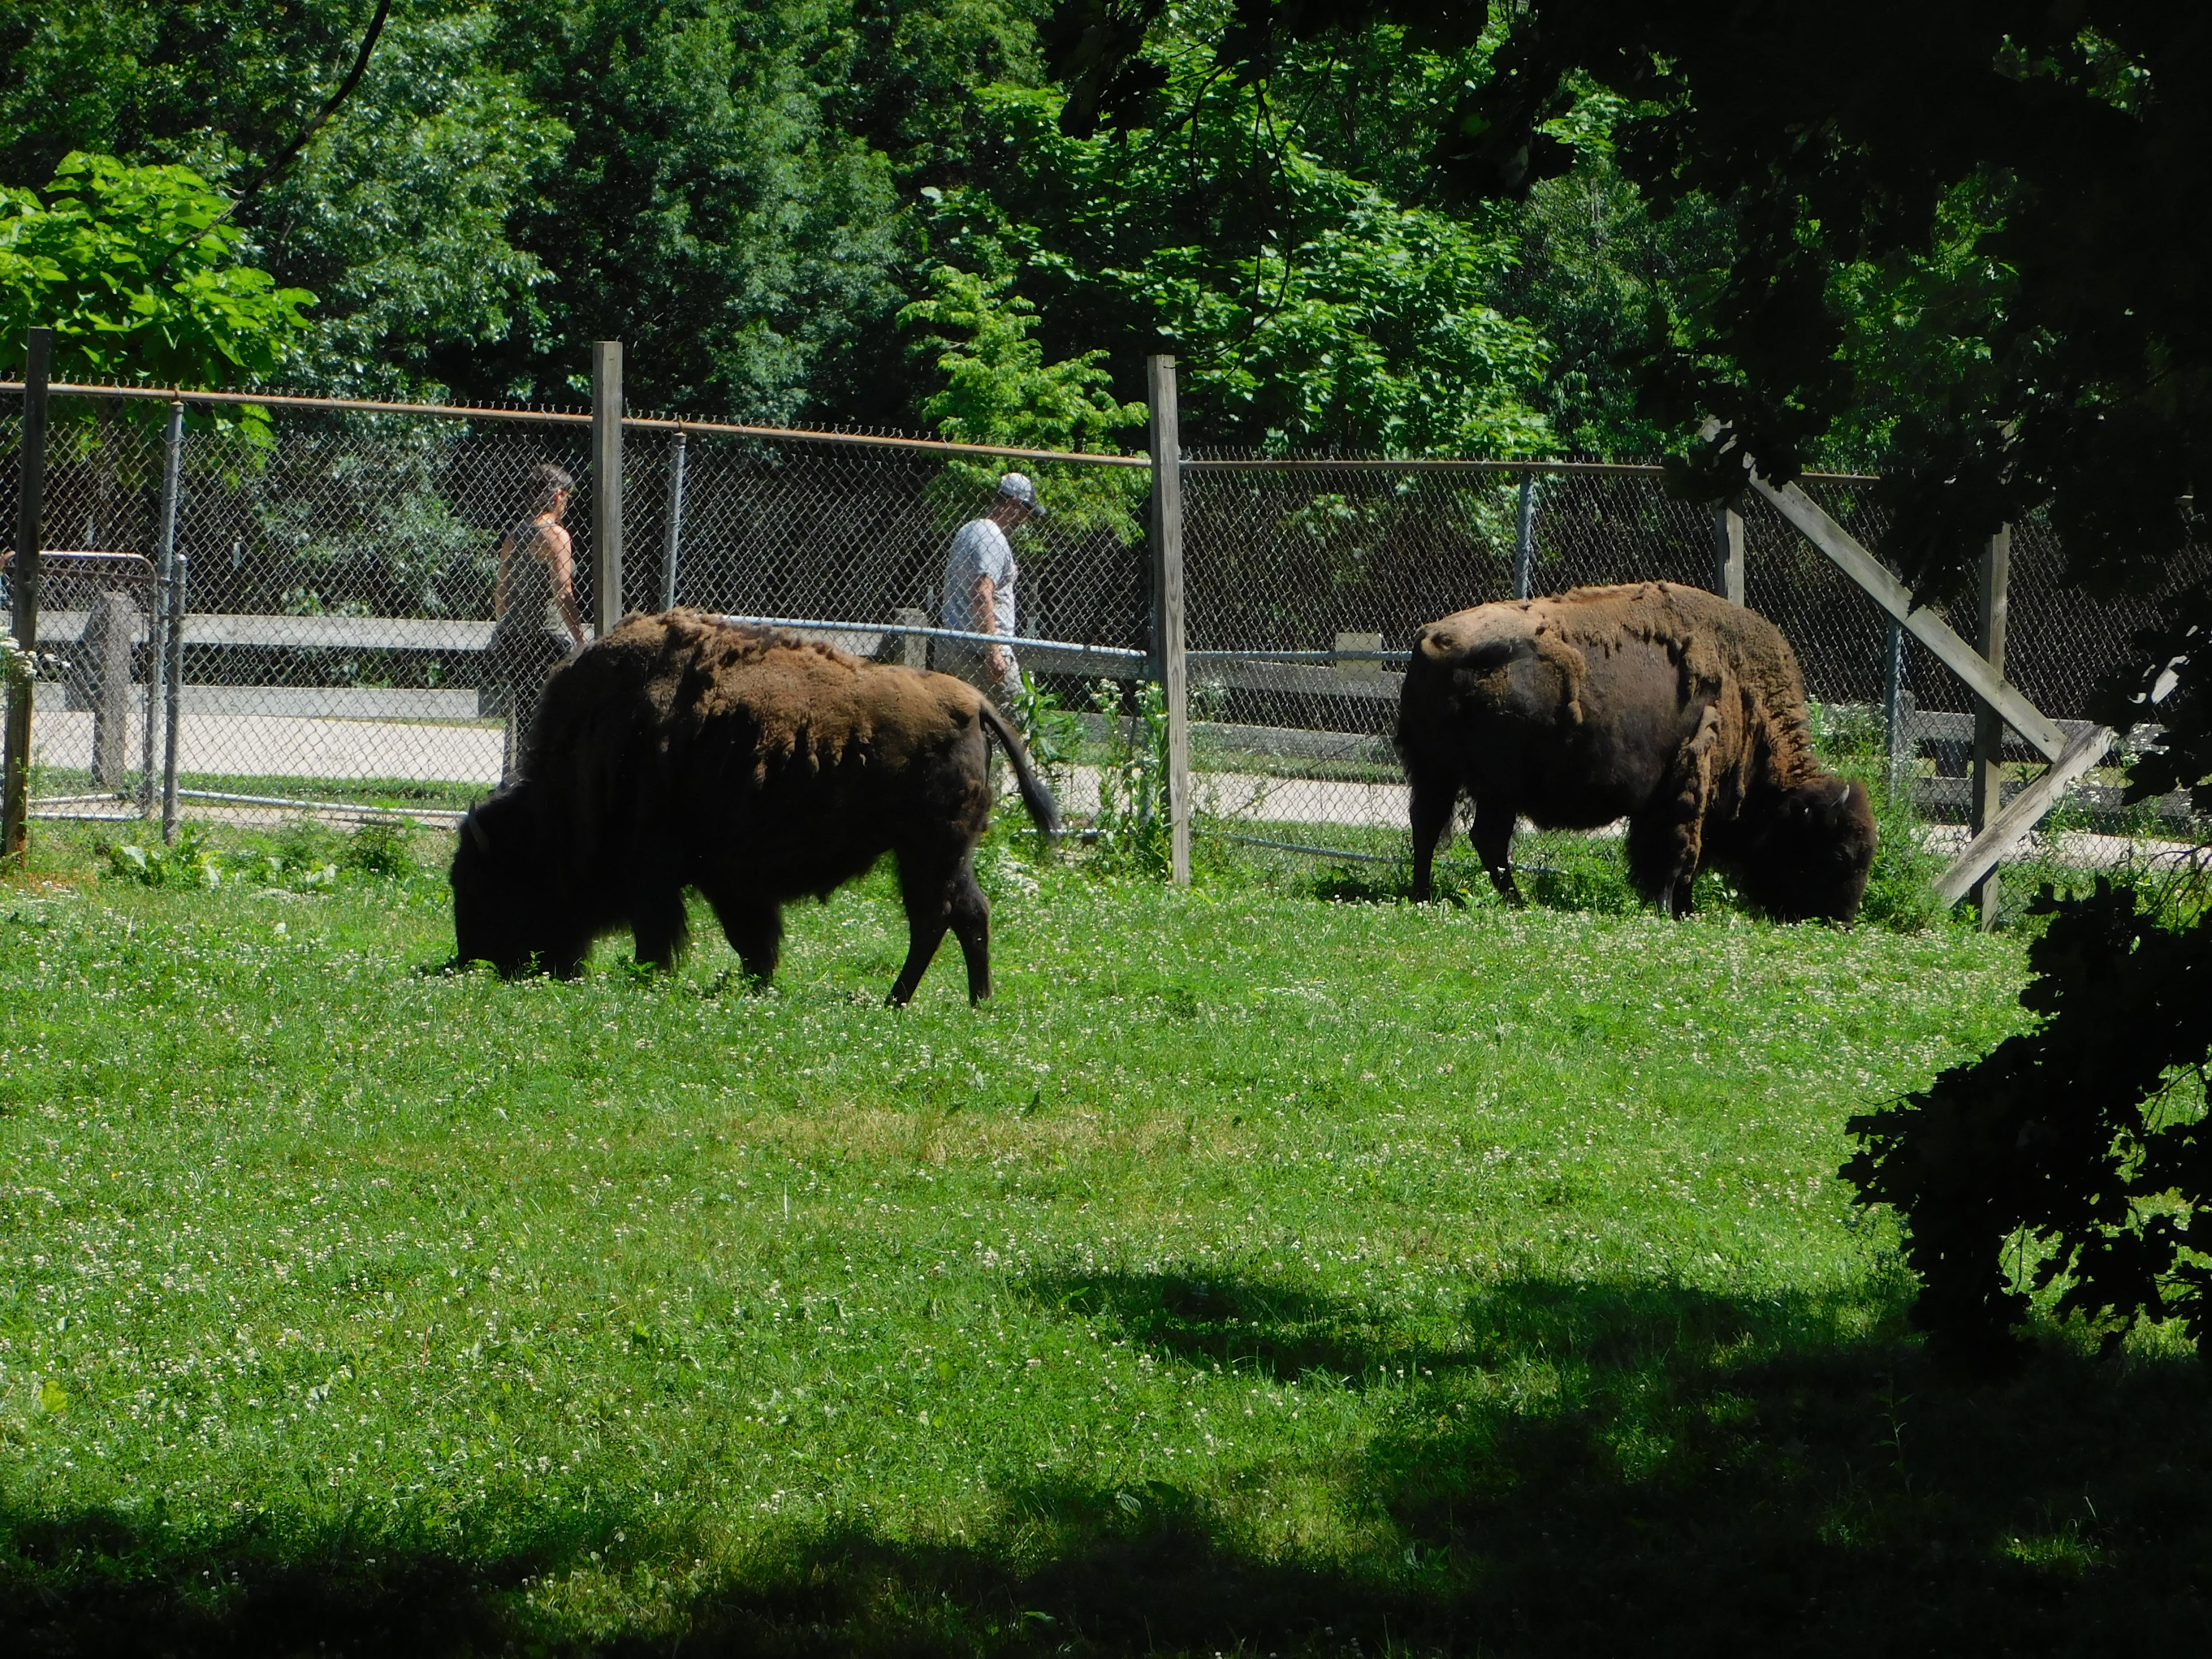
(1843, 793)
(477, 833)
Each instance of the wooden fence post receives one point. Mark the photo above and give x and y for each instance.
(1168, 603)
(606, 486)
(1986, 796)
(1728, 554)
(103, 669)
(912, 648)
(23, 585)
(2069, 757)
(674, 548)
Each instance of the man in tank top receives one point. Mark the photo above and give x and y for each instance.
(535, 621)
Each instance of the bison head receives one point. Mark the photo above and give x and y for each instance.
(503, 912)
(1810, 852)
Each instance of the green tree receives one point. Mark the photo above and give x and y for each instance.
(134, 272)
(704, 211)
(1309, 307)
(998, 390)
(396, 214)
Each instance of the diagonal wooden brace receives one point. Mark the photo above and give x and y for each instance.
(2069, 761)
(2024, 812)
(1931, 631)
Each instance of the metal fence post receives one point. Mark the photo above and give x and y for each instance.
(606, 486)
(672, 549)
(1893, 708)
(1728, 554)
(157, 631)
(1986, 793)
(1524, 541)
(15, 757)
(180, 566)
(1166, 444)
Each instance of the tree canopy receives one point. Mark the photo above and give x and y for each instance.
(137, 275)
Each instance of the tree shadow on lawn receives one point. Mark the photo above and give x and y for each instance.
(1569, 1468)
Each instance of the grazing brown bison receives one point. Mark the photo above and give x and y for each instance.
(680, 751)
(1677, 710)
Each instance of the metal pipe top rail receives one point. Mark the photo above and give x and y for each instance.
(871, 440)
(1441, 464)
(577, 418)
(77, 561)
(816, 625)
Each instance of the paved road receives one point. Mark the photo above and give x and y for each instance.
(308, 748)
(291, 746)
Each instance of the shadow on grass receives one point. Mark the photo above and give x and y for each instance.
(1272, 1330)
(1567, 1468)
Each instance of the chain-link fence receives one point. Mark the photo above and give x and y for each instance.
(337, 570)
(1340, 563)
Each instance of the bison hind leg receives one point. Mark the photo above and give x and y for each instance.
(939, 886)
(659, 926)
(971, 925)
(754, 928)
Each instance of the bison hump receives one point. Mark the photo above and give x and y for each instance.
(1485, 640)
(1477, 637)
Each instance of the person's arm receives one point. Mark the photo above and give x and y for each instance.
(562, 563)
(986, 621)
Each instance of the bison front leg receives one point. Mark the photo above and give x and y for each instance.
(1492, 836)
(660, 927)
(1434, 794)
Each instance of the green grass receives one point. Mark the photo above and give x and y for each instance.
(1255, 1272)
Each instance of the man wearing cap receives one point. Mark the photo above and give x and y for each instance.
(980, 572)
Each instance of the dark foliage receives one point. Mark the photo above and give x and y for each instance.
(1836, 134)
(2075, 1138)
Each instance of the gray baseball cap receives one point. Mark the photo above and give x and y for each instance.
(1018, 486)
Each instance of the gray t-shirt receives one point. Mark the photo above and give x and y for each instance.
(980, 547)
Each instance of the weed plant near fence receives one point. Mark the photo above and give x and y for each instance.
(335, 580)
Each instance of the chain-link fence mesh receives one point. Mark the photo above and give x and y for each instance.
(336, 579)
(338, 574)
(1336, 560)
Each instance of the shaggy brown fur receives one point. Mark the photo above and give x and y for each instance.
(758, 767)
(1662, 704)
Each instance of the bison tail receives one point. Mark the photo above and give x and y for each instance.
(1035, 796)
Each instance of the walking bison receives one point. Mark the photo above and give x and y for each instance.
(680, 751)
(1677, 710)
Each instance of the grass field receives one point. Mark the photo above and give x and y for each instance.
(1257, 1273)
